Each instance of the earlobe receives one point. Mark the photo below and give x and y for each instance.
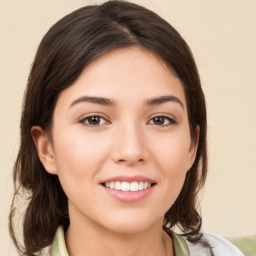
(44, 149)
(193, 148)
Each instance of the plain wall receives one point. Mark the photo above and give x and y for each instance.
(222, 36)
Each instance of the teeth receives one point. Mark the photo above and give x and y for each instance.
(134, 186)
(126, 186)
(141, 186)
(117, 185)
(145, 185)
(112, 184)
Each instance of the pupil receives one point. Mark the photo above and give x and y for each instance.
(159, 120)
(94, 120)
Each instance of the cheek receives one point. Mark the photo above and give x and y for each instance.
(171, 155)
(79, 159)
(78, 155)
(172, 152)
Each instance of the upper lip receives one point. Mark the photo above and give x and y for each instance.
(124, 178)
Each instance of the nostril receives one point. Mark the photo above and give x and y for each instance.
(129, 160)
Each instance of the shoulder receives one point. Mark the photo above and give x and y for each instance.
(215, 245)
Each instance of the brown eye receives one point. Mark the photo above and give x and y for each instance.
(93, 120)
(159, 120)
(162, 121)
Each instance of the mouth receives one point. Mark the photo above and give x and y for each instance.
(129, 189)
(125, 186)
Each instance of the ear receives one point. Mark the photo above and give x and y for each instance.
(44, 149)
(193, 148)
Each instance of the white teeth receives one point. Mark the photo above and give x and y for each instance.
(141, 186)
(112, 184)
(117, 185)
(145, 185)
(126, 186)
(134, 186)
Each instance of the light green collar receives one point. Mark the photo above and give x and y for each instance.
(180, 245)
(58, 247)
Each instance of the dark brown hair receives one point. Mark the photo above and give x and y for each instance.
(67, 48)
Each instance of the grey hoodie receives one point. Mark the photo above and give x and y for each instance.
(213, 245)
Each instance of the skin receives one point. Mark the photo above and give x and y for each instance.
(128, 140)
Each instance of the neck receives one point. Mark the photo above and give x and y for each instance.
(91, 239)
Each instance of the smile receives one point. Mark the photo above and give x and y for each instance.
(128, 186)
(129, 189)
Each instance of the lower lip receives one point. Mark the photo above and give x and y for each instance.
(129, 196)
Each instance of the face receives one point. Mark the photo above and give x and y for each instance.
(120, 142)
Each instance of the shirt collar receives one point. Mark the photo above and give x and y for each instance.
(58, 247)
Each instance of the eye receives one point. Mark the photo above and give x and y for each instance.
(162, 121)
(94, 120)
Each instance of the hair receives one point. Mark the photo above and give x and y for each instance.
(67, 48)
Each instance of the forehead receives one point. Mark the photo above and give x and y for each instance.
(126, 74)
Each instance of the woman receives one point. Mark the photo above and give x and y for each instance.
(113, 139)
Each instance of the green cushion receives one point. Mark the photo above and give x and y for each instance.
(246, 244)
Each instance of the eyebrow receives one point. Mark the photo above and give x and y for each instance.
(164, 99)
(109, 102)
(97, 100)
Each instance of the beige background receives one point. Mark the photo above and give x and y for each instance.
(222, 35)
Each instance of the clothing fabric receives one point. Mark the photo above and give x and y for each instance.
(215, 245)
(208, 245)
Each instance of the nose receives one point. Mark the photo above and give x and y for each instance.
(129, 146)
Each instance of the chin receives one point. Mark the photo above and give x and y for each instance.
(132, 224)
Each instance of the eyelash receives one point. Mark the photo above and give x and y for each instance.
(171, 121)
(85, 121)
